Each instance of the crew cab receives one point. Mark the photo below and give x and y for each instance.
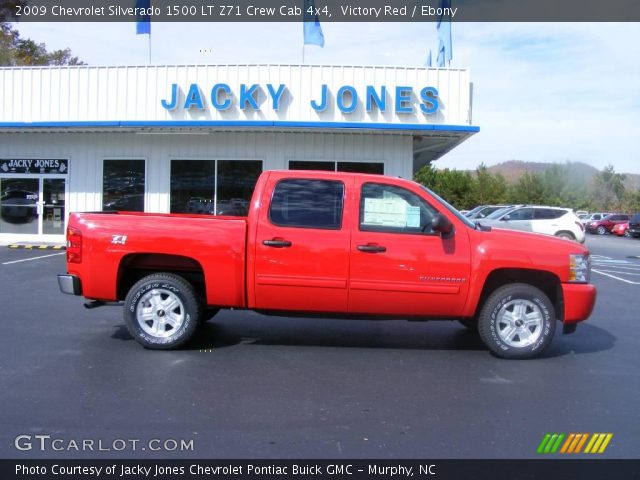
(330, 244)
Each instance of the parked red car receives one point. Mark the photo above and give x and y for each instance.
(621, 229)
(607, 223)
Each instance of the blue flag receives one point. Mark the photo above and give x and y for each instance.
(143, 23)
(445, 53)
(428, 63)
(312, 29)
(440, 57)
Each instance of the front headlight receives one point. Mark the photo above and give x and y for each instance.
(579, 268)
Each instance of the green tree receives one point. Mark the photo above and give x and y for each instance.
(18, 51)
(608, 190)
(528, 189)
(454, 186)
(631, 202)
(488, 188)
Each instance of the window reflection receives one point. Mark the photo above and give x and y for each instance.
(307, 203)
(194, 188)
(123, 185)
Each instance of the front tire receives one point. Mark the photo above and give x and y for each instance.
(601, 230)
(469, 323)
(566, 236)
(517, 321)
(161, 311)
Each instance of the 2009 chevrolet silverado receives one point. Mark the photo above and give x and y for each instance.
(331, 243)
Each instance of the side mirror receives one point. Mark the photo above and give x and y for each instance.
(506, 218)
(442, 225)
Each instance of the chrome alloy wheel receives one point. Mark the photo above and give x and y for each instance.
(160, 313)
(519, 323)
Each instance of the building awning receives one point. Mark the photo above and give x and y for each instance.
(430, 141)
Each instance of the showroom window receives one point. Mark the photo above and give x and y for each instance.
(213, 187)
(354, 167)
(123, 185)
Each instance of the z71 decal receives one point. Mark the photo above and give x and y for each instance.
(118, 239)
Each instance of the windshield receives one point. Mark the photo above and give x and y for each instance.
(461, 217)
(474, 211)
(499, 213)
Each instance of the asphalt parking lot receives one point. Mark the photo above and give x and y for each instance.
(272, 387)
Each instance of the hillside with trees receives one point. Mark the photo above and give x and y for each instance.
(573, 185)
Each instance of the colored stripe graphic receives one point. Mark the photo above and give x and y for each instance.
(581, 444)
(544, 443)
(597, 443)
(550, 443)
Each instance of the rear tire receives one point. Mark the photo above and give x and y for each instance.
(517, 321)
(162, 311)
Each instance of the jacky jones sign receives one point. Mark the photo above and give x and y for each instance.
(400, 99)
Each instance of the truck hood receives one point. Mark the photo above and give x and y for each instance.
(530, 243)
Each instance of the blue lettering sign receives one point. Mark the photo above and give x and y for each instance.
(323, 103)
(379, 100)
(276, 95)
(194, 98)
(342, 93)
(215, 93)
(174, 98)
(346, 101)
(246, 97)
(429, 96)
(403, 96)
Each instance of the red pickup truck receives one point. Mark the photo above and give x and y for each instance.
(328, 243)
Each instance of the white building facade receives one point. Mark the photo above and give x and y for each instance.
(195, 138)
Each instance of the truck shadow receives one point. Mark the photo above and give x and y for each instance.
(228, 330)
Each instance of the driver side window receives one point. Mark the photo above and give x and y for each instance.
(387, 208)
(521, 214)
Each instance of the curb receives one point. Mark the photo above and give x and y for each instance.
(24, 246)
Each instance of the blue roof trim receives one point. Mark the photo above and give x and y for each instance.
(242, 123)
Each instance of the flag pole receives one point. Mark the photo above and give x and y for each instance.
(303, 53)
(149, 48)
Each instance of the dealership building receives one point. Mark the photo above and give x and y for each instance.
(194, 138)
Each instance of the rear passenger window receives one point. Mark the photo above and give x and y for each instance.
(547, 213)
(307, 203)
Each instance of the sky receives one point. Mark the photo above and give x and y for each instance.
(543, 92)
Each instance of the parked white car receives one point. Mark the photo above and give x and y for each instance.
(561, 222)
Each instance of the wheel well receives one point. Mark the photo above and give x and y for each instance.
(560, 232)
(136, 266)
(545, 281)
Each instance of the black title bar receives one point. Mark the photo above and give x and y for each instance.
(583, 469)
(325, 10)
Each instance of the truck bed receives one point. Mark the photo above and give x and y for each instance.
(146, 240)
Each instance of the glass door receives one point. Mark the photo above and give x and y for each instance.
(32, 205)
(19, 205)
(53, 206)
